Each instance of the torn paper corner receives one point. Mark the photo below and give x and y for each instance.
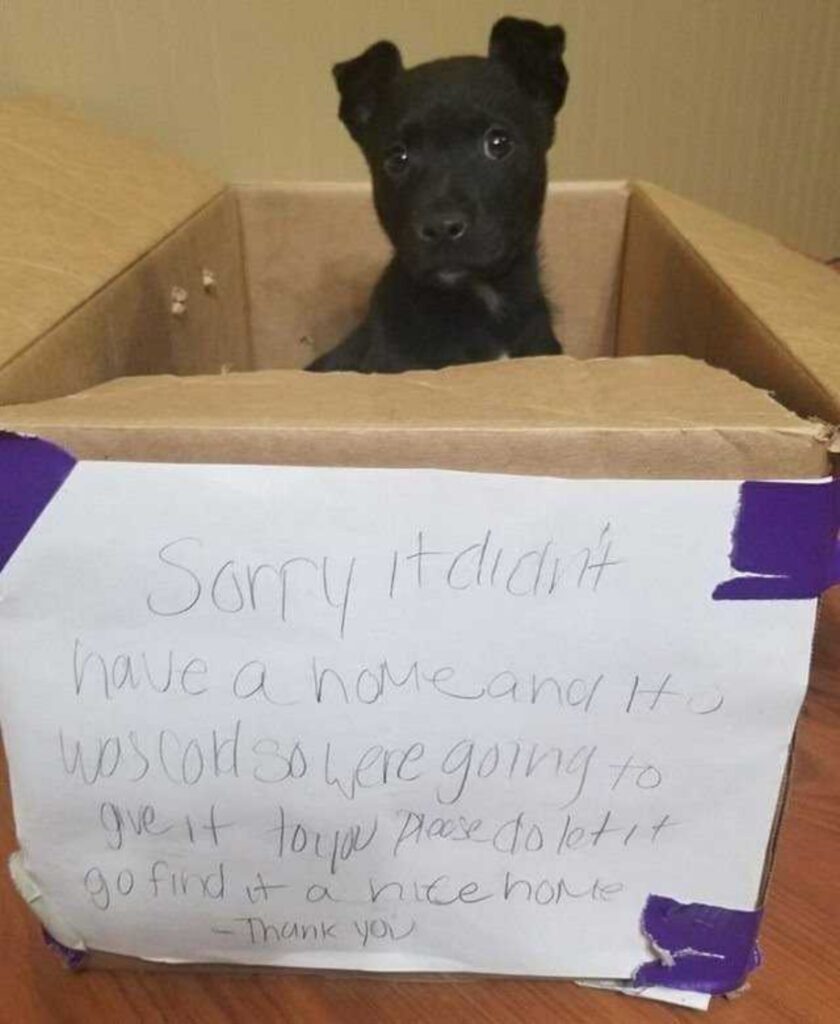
(698, 947)
(58, 934)
(659, 994)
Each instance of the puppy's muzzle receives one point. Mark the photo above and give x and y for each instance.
(442, 227)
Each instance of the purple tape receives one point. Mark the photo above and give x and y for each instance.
(701, 948)
(786, 538)
(31, 471)
(73, 958)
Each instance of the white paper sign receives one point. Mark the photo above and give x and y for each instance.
(389, 720)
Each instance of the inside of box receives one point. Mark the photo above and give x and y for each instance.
(313, 253)
(118, 260)
(622, 277)
(265, 277)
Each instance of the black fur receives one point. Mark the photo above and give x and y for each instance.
(457, 153)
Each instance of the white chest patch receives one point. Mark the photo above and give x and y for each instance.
(491, 299)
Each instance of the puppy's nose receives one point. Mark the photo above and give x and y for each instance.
(442, 227)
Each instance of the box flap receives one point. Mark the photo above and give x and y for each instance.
(795, 299)
(77, 204)
(659, 417)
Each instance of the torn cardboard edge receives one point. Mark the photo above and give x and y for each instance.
(544, 416)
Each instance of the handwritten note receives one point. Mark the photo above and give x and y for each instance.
(389, 720)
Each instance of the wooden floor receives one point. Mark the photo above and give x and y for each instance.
(799, 983)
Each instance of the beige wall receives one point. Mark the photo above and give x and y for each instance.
(733, 102)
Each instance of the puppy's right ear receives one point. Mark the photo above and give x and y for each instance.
(362, 81)
(534, 53)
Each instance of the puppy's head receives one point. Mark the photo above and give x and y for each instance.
(457, 148)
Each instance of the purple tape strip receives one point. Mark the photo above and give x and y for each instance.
(701, 948)
(73, 958)
(786, 535)
(31, 471)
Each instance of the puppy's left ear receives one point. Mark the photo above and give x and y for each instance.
(534, 53)
(361, 83)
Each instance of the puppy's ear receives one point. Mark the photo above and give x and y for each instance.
(361, 82)
(534, 53)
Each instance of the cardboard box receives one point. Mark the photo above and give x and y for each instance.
(98, 231)
(150, 313)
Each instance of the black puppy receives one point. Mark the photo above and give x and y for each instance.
(457, 153)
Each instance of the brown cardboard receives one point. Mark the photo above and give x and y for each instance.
(128, 327)
(81, 210)
(699, 283)
(307, 241)
(98, 232)
(292, 268)
(640, 417)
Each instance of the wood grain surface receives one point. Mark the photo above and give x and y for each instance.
(799, 982)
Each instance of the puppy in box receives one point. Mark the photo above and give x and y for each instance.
(457, 153)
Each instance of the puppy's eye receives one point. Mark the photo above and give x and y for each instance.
(396, 160)
(497, 144)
